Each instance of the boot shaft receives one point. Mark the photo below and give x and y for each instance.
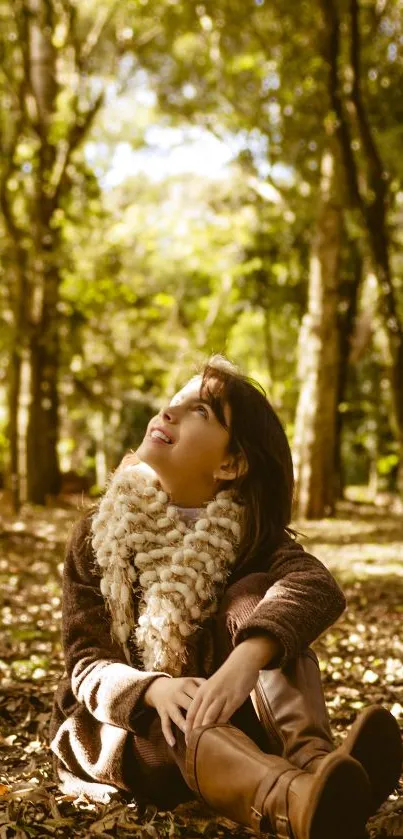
(291, 707)
(226, 769)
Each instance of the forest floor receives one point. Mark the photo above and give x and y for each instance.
(361, 660)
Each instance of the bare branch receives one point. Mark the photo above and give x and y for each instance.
(27, 100)
(95, 34)
(77, 134)
(373, 157)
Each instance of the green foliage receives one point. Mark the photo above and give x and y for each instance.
(155, 273)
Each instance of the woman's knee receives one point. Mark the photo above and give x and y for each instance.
(242, 598)
(237, 605)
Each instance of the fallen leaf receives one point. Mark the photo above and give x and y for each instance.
(8, 741)
(370, 677)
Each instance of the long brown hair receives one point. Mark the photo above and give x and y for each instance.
(256, 433)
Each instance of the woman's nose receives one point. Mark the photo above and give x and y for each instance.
(168, 414)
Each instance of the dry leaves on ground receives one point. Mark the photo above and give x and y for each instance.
(361, 660)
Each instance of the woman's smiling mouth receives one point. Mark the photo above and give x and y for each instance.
(159, 436)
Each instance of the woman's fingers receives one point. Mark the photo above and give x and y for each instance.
(225, 714)
(190, 716)
(192, 686)
(177, 717)
(204, 711)
(167, 729)
(184, 701)
(172, 715)
(191, 689)
(177, 695)
(210, 713)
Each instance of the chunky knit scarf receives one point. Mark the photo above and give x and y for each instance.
(179, 568)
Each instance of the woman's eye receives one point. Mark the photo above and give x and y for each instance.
(203, 409)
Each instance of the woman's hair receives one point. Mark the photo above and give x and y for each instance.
(266, 488)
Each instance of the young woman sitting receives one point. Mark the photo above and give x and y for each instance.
(188, 614)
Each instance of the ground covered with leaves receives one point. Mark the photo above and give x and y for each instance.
(361, 661)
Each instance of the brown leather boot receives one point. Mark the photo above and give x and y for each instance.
(265, 792)
(291, 706)
(375, 741)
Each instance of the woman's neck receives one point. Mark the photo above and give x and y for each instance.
(184, 498)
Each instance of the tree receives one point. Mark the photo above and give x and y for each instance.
(319, 358)
(368, 188)
(259, 73)
(55, 61)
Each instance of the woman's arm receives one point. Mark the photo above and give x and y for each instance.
(301, 601)
(101, 679)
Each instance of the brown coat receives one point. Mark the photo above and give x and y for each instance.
(99, 699)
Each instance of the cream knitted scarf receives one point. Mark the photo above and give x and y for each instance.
(179, 568)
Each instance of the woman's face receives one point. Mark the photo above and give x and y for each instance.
(188, 448)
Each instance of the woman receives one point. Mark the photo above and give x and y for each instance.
(188, 611)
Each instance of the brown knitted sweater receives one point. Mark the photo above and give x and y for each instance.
(100, 698)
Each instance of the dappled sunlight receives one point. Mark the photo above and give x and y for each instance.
(360, 560)
(368, 542)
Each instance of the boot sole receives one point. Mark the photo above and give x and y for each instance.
(339, 805)
(375, 741)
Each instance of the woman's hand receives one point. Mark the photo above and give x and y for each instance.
(224, 692)
(168, 696)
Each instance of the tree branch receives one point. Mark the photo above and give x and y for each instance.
(343, 133)
(372, 154)
(95, 33)
(9, 167)
(77, 133)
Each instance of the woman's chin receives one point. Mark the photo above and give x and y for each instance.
(149, 456)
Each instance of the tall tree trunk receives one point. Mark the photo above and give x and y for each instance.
(268, 346)
(392, 322)
(18, 299)
(347, 323)
(375, 213)
(368, 191)
(43, 476)
(315, 432)
(14, 384)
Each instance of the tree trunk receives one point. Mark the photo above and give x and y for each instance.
(375, 212)
(43, 476)
(98, 432)
(268, 346)
(393, 325)
(315, 431)
(368, 190)
(347, 323)
(14, 383)
(18, 302)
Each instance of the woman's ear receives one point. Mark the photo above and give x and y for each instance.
(234, 467)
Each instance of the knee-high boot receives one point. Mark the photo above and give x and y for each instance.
(291, 706)
(265, 792)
